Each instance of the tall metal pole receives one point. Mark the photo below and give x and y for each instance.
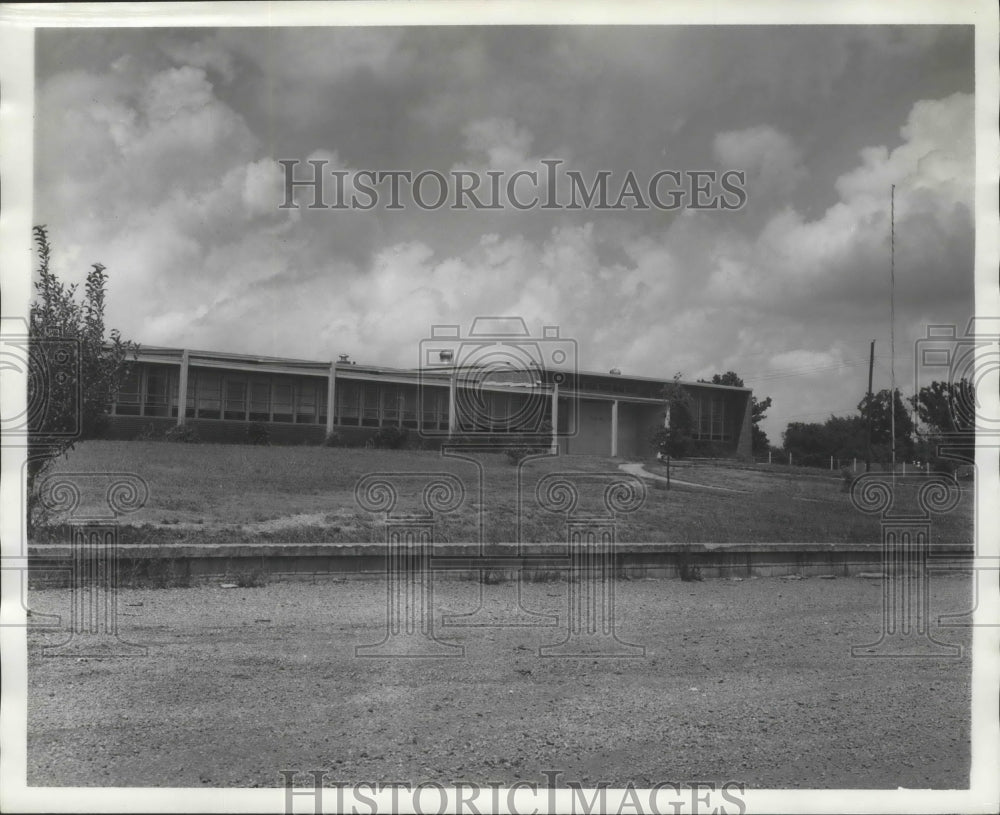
(871, 366)
(892, 322)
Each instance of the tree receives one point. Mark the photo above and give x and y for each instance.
(947, 407)
(675, 439)
(812, 443)
(758, 411)
(74, 370)
(947, 412)
(879, 410)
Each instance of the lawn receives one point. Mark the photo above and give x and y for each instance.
(231, 493)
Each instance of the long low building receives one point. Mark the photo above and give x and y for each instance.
(225, 395)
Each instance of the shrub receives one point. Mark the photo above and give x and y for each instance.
(515, 455)
(332, 439)
(257, 433)
(184, 433)
(251, 580)
(846, 479)
(390, 438)
(150, 433)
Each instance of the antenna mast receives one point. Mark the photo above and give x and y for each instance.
(892, 322)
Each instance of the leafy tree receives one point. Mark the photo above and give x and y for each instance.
(947, 412)
(807, 442)
(675, 439)
(946, 407)
(74, 370)
(879, 410)
(758, 411)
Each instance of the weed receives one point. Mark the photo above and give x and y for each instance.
(253, 579)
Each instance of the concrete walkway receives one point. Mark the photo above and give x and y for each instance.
(637, 469)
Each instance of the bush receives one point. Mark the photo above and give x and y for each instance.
(846, 479)
(251, 580)
(515, 455)
(257, 433)
(150, 433)
(390, 438)
(184, 433)
(332, 439)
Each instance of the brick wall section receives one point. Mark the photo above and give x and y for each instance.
(128, 428)
(744, 447)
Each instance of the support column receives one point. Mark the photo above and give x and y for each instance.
(554, 447)
(614, 429)
(182, 388)
(452, 418)
(331, 397)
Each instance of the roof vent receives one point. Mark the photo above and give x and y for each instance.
(615, 372)
(345, 358)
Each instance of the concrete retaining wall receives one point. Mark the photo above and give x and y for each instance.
(49, 564)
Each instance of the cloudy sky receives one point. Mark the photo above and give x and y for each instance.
(157, 154)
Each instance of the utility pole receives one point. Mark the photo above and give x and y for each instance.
(868, 411)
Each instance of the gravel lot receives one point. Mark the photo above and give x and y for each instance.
(742, 680)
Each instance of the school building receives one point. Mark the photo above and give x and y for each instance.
(225, 395)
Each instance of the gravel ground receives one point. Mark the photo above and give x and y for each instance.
(741, 680)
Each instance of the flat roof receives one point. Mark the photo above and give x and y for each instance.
(153, 353)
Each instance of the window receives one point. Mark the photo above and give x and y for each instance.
(192, 390)
(157, 384)
(236, 399)
(434, 410)
(174, 391)
(283, 399)
(370, 402)
(129, 393)
(348, 403)
(208, 401)
(408, 406)
(321, 397)
(305, 411)
(260, 400)
(390, 405)
(709, 418)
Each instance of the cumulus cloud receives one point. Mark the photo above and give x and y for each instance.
(770, 159)
(165, 169)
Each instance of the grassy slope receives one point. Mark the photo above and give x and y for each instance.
(211, 492)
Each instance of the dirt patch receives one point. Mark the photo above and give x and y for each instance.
(748, 680)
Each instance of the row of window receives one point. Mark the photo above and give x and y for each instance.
(709, 415)
(152, 390)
